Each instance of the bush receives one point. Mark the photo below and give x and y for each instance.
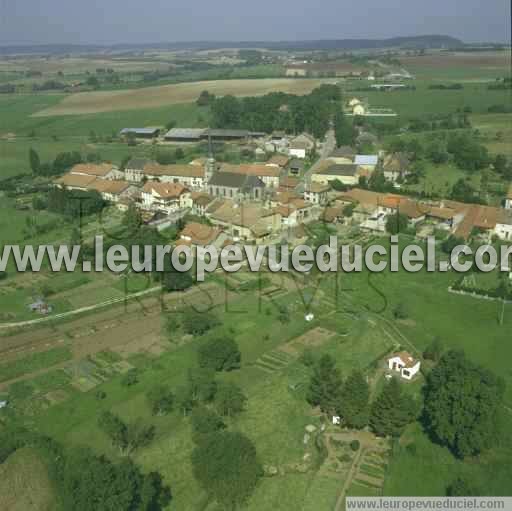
(198, 323)
(130, 378)
(355, 445)
(220, 354)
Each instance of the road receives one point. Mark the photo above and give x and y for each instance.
(327, 148)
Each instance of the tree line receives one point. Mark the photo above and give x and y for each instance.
(277, 111)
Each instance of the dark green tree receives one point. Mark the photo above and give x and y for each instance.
(34, 161)
(396, 223)
(392, 410)
(325, 385)
(434, 350)
(226, 466)
(230, 399)
(160, 399)
(198, 323)
(354, 405)
(220, 354)
(202, 384)
(462, 404)
(205, 422)
(461, 487)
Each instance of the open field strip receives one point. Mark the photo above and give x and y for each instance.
(152, 97)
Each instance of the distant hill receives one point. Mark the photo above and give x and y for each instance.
(413, 42)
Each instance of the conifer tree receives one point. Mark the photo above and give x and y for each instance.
(354, 405)
(392, 410)
(325, 385)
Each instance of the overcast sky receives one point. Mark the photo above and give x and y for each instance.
(139, 21)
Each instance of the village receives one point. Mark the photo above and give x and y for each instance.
(261, 202)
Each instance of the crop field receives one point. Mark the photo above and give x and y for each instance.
(459, 66)
(152, 97)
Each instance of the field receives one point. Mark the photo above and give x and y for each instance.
(424, 102)
(153, 97)
(459, 65)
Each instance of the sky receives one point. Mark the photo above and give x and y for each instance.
(143, 21)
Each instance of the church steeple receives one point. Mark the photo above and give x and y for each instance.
(210, 162)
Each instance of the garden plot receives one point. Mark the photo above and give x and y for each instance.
(90, 372)
(313, 338)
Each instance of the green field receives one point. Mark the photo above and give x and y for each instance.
(423, 102)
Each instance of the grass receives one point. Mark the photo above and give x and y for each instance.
(423, 102)
(164, 95)
(34, 362)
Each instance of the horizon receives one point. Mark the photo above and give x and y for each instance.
(130, 23)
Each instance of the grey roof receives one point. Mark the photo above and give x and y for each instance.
(137, 163)
(233, 180)
(340, 170)
(196, 133)
(366, 159)
(342, 151)
(296, 164)
(140, 131)
(228, 133)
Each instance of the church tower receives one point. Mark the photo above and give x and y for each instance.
(210, 162)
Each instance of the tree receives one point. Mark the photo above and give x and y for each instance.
(160, 399)
(434, 350)
(130, 378)
(230, 399)
(220, 354)
(205, 98)
(448, 245)
(173, 280)
(343, 130)
(325, 385)
(337, 185)
(205, 422)
(126, 437)
(354, 402)
(184, 399)
(226, 466)
(84, 480)
(396, 223)
(3, 275)
(202, 384)
(92, 81)
(35, 161)
(462, 404)
(180, 154)
(461, 487)
(198, 323)
(500, 163)
(132, 219)
(392, 410)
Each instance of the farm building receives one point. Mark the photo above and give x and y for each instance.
(100, 170)
(185, 134)
(346, 173)
(405, 364)
(140, 132)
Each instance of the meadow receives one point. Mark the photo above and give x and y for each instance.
(423, 102)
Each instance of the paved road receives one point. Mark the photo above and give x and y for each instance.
(327, 149)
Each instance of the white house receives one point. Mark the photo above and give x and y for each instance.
(503, 227)
(134, 169)
(191, 176)
(165, 197)
(405, 364)
(316, 193)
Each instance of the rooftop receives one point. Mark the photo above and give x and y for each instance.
(186, 170)
(165, 190)
(92, 169)
(186, 133)
(366, 159)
